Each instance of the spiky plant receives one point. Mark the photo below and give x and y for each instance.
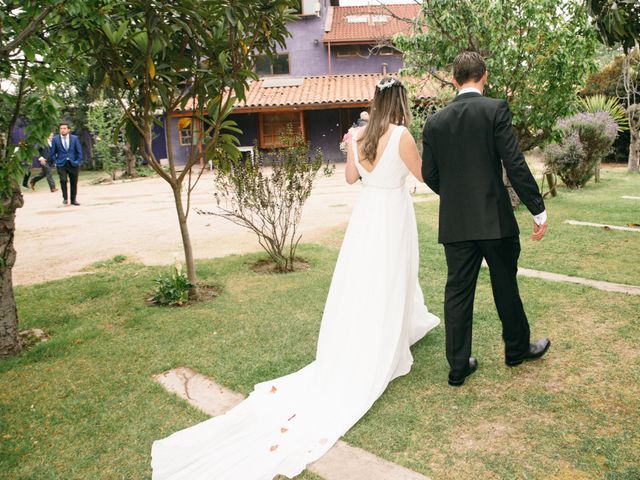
(610, 105)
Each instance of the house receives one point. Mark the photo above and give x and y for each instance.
(320, 82)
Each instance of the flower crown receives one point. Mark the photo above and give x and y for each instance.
(389, 83)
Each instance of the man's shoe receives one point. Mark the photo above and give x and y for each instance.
(54, 190)
(65, 202)
(75, 203)
(32, 185)
(536, 350)
(473, 366)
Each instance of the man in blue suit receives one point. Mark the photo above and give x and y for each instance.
(66, 154)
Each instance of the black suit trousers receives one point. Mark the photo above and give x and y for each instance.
(68, 170)
(463, 262)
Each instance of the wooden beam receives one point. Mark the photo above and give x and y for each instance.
(289, 108)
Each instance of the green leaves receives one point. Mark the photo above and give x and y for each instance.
(537, 53)
(617, 21)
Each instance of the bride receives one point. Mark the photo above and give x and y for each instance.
(374, 311)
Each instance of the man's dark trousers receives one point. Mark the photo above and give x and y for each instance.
(72, 172)
(463, 261)
(46, 172)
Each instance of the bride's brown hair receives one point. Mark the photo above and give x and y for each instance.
(389, 105)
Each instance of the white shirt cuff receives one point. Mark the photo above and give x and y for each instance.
(541, 218)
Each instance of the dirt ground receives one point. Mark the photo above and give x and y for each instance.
(137, 219)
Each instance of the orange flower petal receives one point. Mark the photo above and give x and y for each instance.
(323, 441)
(282, 430)
(273, 389)
(273, 448)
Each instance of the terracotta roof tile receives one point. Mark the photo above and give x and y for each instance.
(330, 90)
(361, 24)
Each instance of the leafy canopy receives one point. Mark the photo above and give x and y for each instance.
(537, 53)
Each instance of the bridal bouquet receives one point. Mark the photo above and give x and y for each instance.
(344, 144)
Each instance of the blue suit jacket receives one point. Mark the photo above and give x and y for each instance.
(59, 155)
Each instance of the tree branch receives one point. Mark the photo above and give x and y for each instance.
(28, 30)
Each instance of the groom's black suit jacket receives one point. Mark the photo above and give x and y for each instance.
(463, 145)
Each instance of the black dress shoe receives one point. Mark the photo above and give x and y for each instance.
(536, 350)
(75, 203)
(473, 366)
(65, 202)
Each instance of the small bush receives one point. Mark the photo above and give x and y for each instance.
(173, 289)
(268, 195)
(586, 138)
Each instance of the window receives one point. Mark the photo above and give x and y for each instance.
(185, 127)
(276, 66)
(273, 125)
(307, 7)
(386, 51)
(348, 50)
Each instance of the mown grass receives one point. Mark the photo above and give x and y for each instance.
(83, 405)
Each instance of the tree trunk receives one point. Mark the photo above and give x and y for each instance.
(9, 338)
(513, 196)
(552, 184)
(634, 142)
(634, 154)
(129, 161)
(184, 231)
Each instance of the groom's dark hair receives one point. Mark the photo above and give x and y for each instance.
(468, 66)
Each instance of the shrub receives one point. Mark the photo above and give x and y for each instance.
(610, 105)
(173, 289)
(585, 139)
(266, 196)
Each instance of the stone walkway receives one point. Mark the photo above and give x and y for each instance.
(342, 462)
(602, 225)
(558, 277)
(600, 285)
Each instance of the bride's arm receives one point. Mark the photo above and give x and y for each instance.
(351, 172)
(410, 155)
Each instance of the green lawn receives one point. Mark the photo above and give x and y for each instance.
(84, 405)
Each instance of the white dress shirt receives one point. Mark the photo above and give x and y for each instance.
(541, 218)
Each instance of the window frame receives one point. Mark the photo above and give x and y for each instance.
(271, 74)
(340, 54)
(181, 139)
(262, 143)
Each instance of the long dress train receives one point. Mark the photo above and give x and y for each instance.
(374, 311)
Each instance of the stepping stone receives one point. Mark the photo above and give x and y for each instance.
(199, 390)
(342, 462)
(630, 198)
(602, 225)
(558, 277)
(600, 285)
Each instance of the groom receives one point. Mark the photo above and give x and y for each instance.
(465, 146)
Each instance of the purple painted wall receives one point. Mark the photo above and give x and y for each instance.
(308, 55)
(180, 152)
(248, 123)
(366, 62)
(305, 56)
(159, 142)
(325, 129)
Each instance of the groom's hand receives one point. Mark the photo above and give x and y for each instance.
(539, 231)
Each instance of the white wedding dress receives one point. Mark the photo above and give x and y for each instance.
(374, 311)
